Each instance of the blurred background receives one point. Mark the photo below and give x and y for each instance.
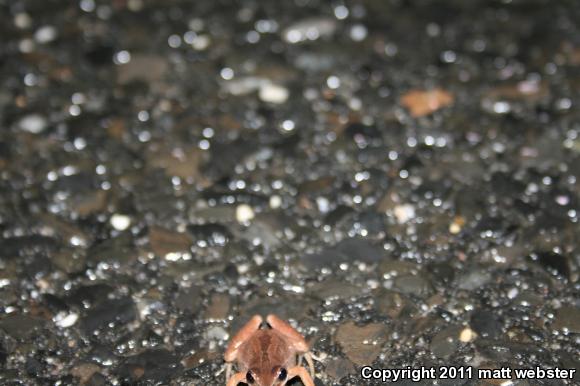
(399, 179)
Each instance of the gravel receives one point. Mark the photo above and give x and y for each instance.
(400, 180)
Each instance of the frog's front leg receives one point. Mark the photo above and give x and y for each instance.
(242, 336)
(300, 372)
(294, 337)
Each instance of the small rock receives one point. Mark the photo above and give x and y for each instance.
(149, 68)
(45, 34)
(120, 222)
(216, 333)
(219, 307)
(446, 342)
(413, 285)
(309, 29)
(244, 213)
(475, 279)
(213, 234)
(22, 20)
(223, 213)
(568, 319)
(88, 203)
(244, 85)
(467, 335)
(164, 241)
(70, 260)
(273, 93)
(404, 213)
(64, 320)
(486, 323)
(20, 326)
(189, 299)
(120, 250)
(392, 304)
(33, 123)
(150, 367)
(84, 371)
(334, 289)
(347, 250)
(275, 202)
(555, 263)
(457, 224)
(363, 344)
(184, 162)
(119, 311)
(339, 368)
(424, 102)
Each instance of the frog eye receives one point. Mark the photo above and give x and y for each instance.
(250, 377)
(282, 374)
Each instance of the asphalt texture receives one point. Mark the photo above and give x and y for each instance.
(400, 180)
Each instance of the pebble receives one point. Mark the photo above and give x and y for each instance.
(424, 102)
(84, 372)
(346, 251)
(361, 344)
(66, 320)
(22, 20)
(216, 333)
(244, 85)
(189, 299)
(164, 241)
(273, 93)
(486, 323)
(475, 279)
(404, 213)
(567, 319)
(467, 335)
(446, 342)
(45, 34)
(33, 123)
(109, 312)
(120, 222)
(413, 285)
(20, 326)
(70, 260)
(339, 368)
(142, 67)
(244, 213)
(309, 29)
(275, 202)
(219, 307)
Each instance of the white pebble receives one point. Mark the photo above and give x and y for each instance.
(309, 29)
(201, 42)
(66, 320)
(26, 46)
(22, 20)
(512, 293)
(216, 333)
(273, 93)
(33, 123)
(404, 213)
(358, 32)
(467, 335)
(275, 202)
(244, 213)
(45, 34)
(323, 204)
(120, 222)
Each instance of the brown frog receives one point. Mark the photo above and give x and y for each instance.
(268, 354)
